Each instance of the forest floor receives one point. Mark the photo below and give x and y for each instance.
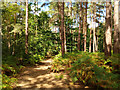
(40, 76)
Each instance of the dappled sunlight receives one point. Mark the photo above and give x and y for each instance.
(43, 67)
(65, 45)
(41, 77)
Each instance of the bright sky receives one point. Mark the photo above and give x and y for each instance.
(46, 8)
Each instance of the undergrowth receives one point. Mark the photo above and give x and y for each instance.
(11, 67)
(90, 68)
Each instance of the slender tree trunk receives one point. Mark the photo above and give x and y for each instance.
(90, 40)
(26, 29)
(91, 29)
(8, 36)
(116, 27)
(61, 12)
(97, 31)
(104, 33)
(70, 13)
(108, 34)
(119, 28)
(78, 20)
(59, 25)
(94, 29)
(79, 26)
(111, 25)
(62, 28)
(85, 26)
(97, 42)
(13, 53)
(65, 39)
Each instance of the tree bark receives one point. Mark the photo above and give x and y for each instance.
(94, 29)
(13, 53)
(26, 29)
(116, 27)
(83, 24)
(62, 28)
(61, 12)
(79, 26)
(70, 14)
(8, 36)
(108, 34)
(59, 25)
(65, 39)
(85, 28)
(90, 29)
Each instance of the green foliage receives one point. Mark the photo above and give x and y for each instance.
(90, 68)
(59, 77)
(8, 82)
(41, 40)
(44, 42)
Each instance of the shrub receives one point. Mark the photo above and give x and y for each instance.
(90, 68)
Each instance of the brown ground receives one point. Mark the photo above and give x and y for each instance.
(39, 76)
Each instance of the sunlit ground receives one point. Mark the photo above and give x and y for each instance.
(41, 77)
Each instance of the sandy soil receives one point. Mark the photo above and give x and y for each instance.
(40, 76)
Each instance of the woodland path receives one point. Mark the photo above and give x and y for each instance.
(40, 76)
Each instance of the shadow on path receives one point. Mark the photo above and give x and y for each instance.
(40, 77)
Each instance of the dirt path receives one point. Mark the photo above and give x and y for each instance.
(40, 77)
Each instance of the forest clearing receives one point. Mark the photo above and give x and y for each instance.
(60, 44)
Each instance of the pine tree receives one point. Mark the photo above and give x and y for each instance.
(108, 34)
(61, 12)
(116, 27)
(26, 29)
(79, 32)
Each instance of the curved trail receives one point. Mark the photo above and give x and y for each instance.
(40, 77)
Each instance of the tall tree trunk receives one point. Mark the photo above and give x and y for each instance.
(83, 24)
(61, 12)
(119, 27)
(108, 34)
(85, 28)
(26, 29)
(94, 29)
(70, 14)
(13, 53)
(65, 39)
(104, 27)
(62, 28)
(59, 25)
(116, 27)
(78, 20)
(79, 26)
(90, 29)
(111, 25)
(8, 36)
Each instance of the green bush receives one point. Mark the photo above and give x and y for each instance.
(7, 82)
(90, 68)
